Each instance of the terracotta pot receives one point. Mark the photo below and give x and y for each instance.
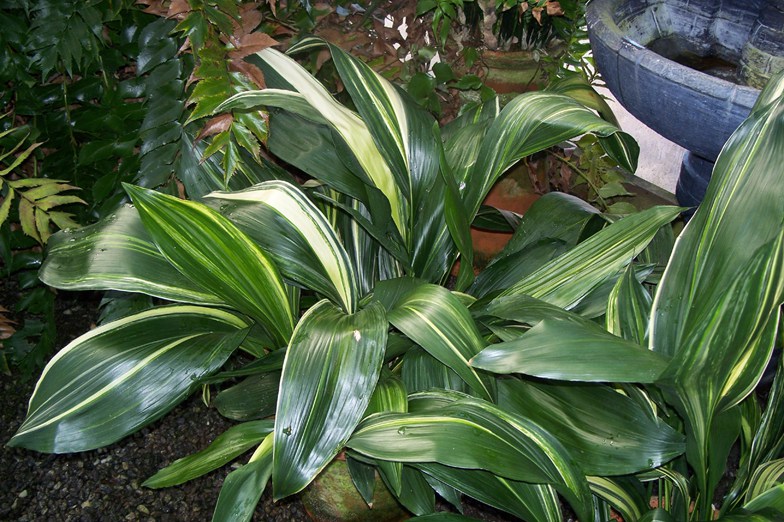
(332, 497)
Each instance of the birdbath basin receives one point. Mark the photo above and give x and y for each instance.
(688, 69)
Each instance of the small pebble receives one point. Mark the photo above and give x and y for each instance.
(143, 509)
(23, 494)
(86, 504)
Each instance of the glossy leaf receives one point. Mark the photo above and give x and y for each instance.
(123, 375)
(724, 284)
(568, 278)
(226, 447)
(489, 439)
(521, 499)
(243, 487)
(565, 350)
(117, 253)
(629, 309)
(296, 235)
(206, 247)
(605, 431)
(345, 122)
(332, 365)
(253, 398)
(528, 124)
(432, 317)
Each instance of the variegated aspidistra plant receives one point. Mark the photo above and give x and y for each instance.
(552, 376)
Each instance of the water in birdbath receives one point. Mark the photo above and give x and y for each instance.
(680, 50)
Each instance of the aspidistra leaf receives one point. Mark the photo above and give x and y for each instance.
(332, 365)
(296, 234)
(226, 447)
(207, 248)
(125, 374)
(117, 253)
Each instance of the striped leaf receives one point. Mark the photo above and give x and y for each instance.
(629, 309)
(117, 253)
(243, 487)
(435, 319)
(570, 277)
(207, 248)
(605, 431)
(121, 376)
(292, 230)
(489, 438)
(348, 125)
(530, 123)
(332, 366)
(226, 447)
(628, 502)
(724, 283)
(567, 350)
(526, 501)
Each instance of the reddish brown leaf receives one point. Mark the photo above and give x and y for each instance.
(537, 13)
(250, 17)
(524, 7)
(251, 44)
(154, 7)
(178, 9)
(216, 125)
(249, 70)
(554, 8)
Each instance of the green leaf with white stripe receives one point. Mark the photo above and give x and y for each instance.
(530, 123)
(570, 351)
(346, 123)
(331, 368)
(296, 235)
(629, 309)
(207, 248)
(629, 501)
(435, 319)
(568, 278)
(243, 487)
(117, 253)
(226, 447)
(605, 431)
(123, 375)
(489, 438)
(526, 501)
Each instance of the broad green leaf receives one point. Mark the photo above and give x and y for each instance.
(243, 487)
(207, 248)
(123, 375)
(421, 371)
(489, 438)
(521, 499)
(253, 398)
(529, 123)
(389, 396)
(554, 216)
(288, 226)
(226, 447)
(605, 431)
(435, 319)
(568, 278)
(629, 309)
(724, 281)
(629, 502)
(416, 495)
(117, 253)
(345, 122)
(565, 350)
(332, 365)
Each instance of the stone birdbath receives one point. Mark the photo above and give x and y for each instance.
(689, 69)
